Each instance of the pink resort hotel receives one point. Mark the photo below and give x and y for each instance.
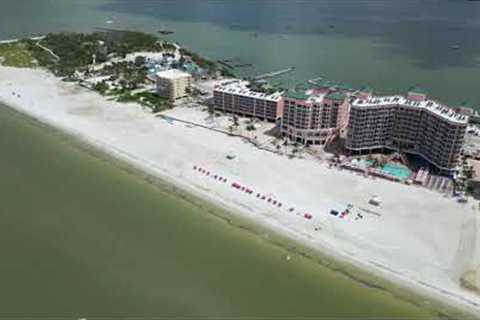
(412, 124)
(315, 113)
(318, 112)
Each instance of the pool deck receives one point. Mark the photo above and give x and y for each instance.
(398, 171)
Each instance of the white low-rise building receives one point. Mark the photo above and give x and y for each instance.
(236, 97)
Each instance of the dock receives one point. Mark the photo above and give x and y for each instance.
(229, 63)
(274, 74)
(243, 65)
(225, 63)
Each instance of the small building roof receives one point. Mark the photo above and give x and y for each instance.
(366, 88)
(305, 86)
(325, 84)
(336, 95)
(173, 74)
(344, 86)
(297, 95)
(418, 90)
(191, 67)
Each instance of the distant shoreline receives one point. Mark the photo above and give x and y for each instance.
(8, 41)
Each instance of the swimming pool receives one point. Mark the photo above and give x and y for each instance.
(400, 172)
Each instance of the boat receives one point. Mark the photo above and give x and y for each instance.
(375, 201)
(455, 47)
(165, 31)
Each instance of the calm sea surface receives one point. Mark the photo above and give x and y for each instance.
(82, 238)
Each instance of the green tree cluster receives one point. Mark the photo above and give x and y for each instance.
(77, 50)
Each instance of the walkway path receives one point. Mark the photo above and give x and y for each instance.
(48, 50)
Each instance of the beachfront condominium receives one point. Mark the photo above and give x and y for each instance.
(314, 112)
(173, 84)
(412, 124)
(241, 98)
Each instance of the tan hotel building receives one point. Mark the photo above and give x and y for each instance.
(173, 84)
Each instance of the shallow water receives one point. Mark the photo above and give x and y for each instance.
(81, 237)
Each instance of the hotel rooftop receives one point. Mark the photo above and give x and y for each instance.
(430, 105)
(308, 95)
(317, 91)
(173, 74)
(240, 88)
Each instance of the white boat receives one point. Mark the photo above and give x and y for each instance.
(375, 201)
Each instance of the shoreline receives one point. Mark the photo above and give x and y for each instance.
(9, 41)
(152, 169)
(235, 219)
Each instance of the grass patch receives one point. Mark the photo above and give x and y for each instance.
(147, 99)
(16, 55)
(153, 99)
(127, 97)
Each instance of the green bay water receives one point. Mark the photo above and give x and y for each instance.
(82, 237)
(387, 44)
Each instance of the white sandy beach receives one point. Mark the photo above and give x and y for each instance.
(421, 239)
